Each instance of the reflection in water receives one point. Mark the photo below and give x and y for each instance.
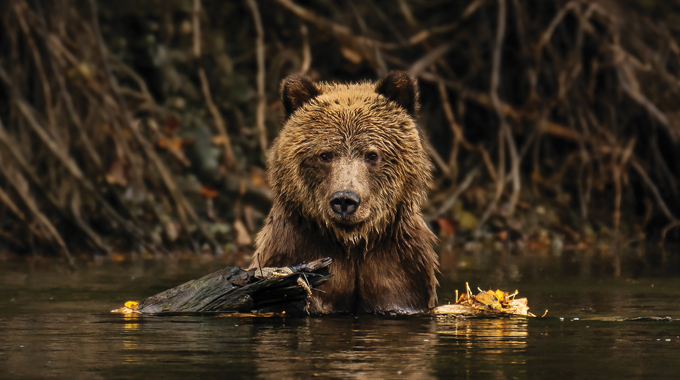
(497, 346)
(493, 335)
(130, 338)
(385, 348)
(347, 348)
(132, 320)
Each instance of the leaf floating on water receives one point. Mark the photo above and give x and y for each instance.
(487, 303)
(129, 308)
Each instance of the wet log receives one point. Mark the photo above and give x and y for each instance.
(266, 292)
(236, 290)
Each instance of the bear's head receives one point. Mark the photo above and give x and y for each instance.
(350, 157)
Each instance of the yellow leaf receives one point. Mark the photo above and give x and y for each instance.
(467, 220)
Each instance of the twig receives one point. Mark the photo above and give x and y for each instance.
(666, 229)
(364, 46)
(424, 34)
(487, 162)
(386, 20)
(229, 158)
(458, 137)
(652, 187)
(617, 170)
(19, 10)
(306, 50)
(261, 98)
(439, 161)
(46, 139)
(510, 111)
(5, 140)
(35, 211)
(449, 202)
(68, 101)
(62, 156)
(94, 237)
(115, 89)
(547, 34)
(430, 58)
(7, 200)
(495, 100)
(406, 12)
(632, 88)
(503, 129)
(196, 28)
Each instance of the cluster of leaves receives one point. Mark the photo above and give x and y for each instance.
(486, 303)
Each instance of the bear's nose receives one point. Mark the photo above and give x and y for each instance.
(344, 203)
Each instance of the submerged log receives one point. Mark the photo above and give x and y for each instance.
(266, 292)
(232, 289)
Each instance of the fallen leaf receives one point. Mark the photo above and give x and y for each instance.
(170, 144)
(174, 146)
(446, 226)
(129, 308)
(257, 176)
(209, 192)
(467, 220)
(503, 235)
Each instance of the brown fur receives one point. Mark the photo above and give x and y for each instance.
(361, 138)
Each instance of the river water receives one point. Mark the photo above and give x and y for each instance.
(610, 317)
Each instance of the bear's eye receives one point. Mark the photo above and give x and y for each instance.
(371, 157)
(326, 157)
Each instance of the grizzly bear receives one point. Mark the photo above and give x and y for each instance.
(348, 174)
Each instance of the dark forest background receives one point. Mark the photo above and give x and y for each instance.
(144, 125)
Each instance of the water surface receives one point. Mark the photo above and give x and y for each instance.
(609, 317)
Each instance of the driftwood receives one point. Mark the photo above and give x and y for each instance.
(266, 292)
(237, 290)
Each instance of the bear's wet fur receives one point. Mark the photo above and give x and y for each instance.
(348, 173)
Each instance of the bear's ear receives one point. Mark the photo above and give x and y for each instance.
(296, 90)
(401, 88)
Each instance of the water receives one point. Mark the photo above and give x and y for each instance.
(606, 320)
